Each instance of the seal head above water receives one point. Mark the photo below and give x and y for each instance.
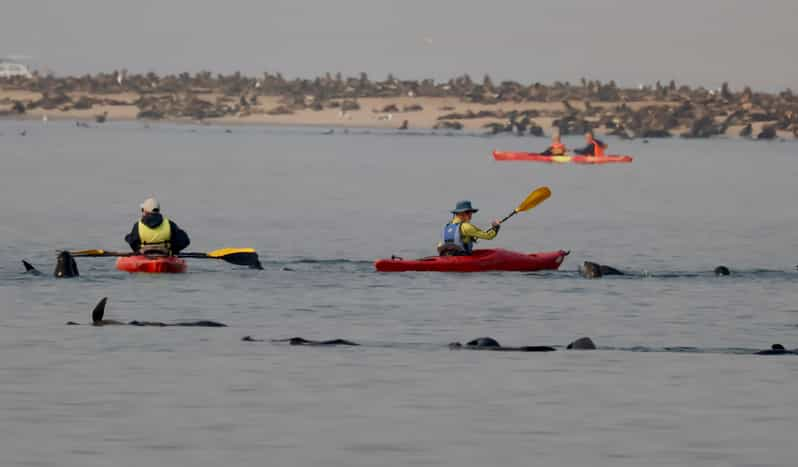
(66, 266)
(591, 270)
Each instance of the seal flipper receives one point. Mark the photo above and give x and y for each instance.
(99, 311)
(29, 268)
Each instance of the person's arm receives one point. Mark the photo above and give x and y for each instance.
(602, 144)
(547, 152)
(133, 239)
(585, 151)
(179, 240)
(469, 230)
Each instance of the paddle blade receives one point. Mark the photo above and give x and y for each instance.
(536, 197)
(239, 256)
(228, 251)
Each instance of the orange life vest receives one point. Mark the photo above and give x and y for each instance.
(598, 149)
(557, 149)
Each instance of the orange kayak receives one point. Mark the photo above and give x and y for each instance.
(153, 264)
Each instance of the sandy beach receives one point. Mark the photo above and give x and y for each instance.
(420, 112)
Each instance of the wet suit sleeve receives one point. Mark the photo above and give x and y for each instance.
(585, 151)
(179, 240)
(547, 152)
(589, 149)
(469, 230)
(133, 239)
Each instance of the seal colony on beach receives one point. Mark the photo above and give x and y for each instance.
(659, 110)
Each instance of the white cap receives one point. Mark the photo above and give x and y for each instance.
(151, 205)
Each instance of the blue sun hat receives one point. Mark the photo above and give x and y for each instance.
(463, 206)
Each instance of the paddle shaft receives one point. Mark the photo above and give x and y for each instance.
(502, 221)
(239, 256)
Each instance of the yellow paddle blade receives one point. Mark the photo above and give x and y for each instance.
(229, 251)
(95, 252)
(536, 197)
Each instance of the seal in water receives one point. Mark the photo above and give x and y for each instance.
(776, 349)
(303, 341)
(722, 271)
(66, 266)
(30, 269)
(489, 343)
(590, 270)
(583, 343)
(99, 312)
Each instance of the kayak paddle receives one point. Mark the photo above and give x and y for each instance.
(238, 256)
(536, 197)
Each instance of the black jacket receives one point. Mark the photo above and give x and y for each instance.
(589, 149)
(178, 242)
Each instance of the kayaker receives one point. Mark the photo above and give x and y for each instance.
(460, 234)
(594, 147)
(154, 233)
(556, 148)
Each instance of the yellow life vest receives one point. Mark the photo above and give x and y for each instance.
(155, 240)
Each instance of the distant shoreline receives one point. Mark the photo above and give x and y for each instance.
(650, 112)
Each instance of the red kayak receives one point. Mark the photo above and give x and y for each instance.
(155, 264)
(530, 156)
(480, 260)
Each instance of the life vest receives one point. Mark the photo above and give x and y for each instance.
(156, 240)
(557, 149)
(598, 149)
(453, 237)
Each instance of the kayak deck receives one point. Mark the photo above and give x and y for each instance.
(151, 264)
(530, 156)
(480, 260)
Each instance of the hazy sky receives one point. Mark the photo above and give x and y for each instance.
(632, 41)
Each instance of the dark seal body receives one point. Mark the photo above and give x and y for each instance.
(66, 266)
(590, 270)
(722, 271)
(489, 343)
(583, 343)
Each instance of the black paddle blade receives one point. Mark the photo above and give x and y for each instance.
(99, 310)
(244, 259)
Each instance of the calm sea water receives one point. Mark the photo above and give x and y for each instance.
(319, 209)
